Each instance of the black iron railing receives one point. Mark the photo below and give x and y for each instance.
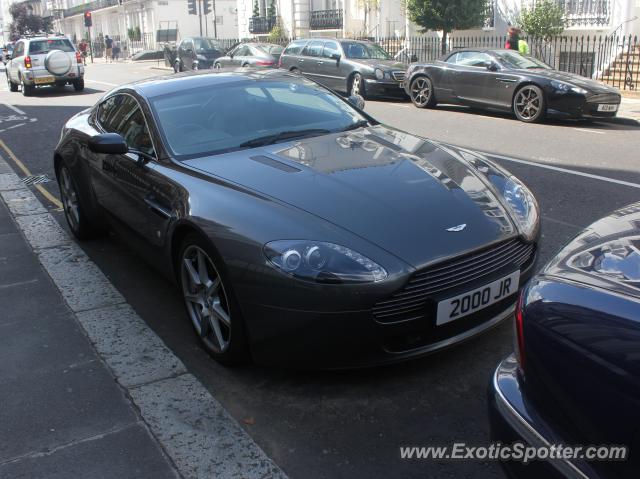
(259, 25)
(91, 6)
(326, 20)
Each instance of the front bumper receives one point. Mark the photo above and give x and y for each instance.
(385, 88)
(575, 106)
(513, 419)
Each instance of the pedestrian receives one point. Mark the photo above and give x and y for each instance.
(116, 50)
(513, 37)
(108, 45)
(523, 47)
(82, 46)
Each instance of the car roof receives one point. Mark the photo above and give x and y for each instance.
(324, 39)
(158, 86)
(52, 37)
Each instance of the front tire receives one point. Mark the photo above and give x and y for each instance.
(422, 94)
(356, 85)
(210, 302)
(177, 66)
(529, 104)
(217, 66)
(74, 212)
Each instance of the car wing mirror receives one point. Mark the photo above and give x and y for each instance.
(335, 56)
(492, 66)
(108, 144)
(357, 101)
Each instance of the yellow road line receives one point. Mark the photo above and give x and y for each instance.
(26, 171)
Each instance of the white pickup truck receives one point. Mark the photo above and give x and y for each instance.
(41, 61)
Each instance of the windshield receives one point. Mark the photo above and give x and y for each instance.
(206, 45)
(364, 50)
(516, 60)
(37, 47)
(222, 118)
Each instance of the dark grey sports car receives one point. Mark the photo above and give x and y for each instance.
(508, 81)
(300, 230)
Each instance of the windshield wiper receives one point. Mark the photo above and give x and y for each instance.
(356, 125)
(283, 135)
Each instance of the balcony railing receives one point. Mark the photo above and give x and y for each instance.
(259, 25)
(326, 20)
(586, 12)
(91, 6)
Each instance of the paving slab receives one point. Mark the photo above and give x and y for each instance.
(42, 231)
(22, 202)
(124, 454)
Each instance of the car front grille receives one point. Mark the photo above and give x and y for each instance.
(604, 98)
(399, 75)
(410, 303)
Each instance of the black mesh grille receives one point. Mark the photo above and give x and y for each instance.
(410, 302)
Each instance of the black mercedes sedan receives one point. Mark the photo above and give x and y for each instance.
(575, 377)
(353, 66)
(505, 80)
(197, 53)
(300, 230)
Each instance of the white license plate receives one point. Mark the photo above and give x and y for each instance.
(472, 301)
(41, 80)
(607, 107)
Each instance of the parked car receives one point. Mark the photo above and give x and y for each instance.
(257, 55)
(7, 52)
(300, 230)
(197, 53)
(43, 61)
(575, 377)
(508, 81)
(352, 66)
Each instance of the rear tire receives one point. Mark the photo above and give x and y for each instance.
(79, 223)
(177, 66)
(356, 86)
(422, 94)
(78, 85)
(12, 86)
(210, 302)
(27, 90)
(295, 71)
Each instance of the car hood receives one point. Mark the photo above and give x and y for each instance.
(606, 254)
(398, 191)
(590, 85)
(382, 64)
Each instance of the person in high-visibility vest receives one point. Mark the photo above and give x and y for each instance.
(523, 47)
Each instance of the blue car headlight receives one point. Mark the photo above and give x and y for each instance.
(522, 205)
(322, 262)
(563, 87)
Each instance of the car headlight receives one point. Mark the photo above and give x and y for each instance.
(523, 206)
(379, 74)
(323, 262)
(567, 87)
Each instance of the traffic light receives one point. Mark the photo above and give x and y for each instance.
(192, 7)
(87, 19)
(206, 7)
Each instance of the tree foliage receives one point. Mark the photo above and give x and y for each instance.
(271, 10)
(544, 20)
(24, 22)
(256, 9)
(447, 15)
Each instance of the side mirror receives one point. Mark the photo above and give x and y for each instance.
(335, 56)
(357, 101)
(491, 66)
(108, 144)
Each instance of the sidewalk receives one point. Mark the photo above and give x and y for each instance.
(88, 390)
(630, 109)
(62, 415)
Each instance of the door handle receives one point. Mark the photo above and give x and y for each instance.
(157, 208)
(320, 63)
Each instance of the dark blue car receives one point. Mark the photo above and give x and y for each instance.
(575, 376)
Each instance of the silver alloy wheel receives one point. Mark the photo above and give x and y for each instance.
(421, 91)
(528, 103)
(206, 299)
(356, 85)
(69, 199)
(217, 66)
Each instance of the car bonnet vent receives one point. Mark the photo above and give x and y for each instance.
(265, 160)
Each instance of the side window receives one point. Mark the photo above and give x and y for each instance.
(313, 49)
(472, 59)
(135, 132)
(243, 51)
(330, 48)
(121, 114)
(453, 58)
(18, 50)
(294, 48)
